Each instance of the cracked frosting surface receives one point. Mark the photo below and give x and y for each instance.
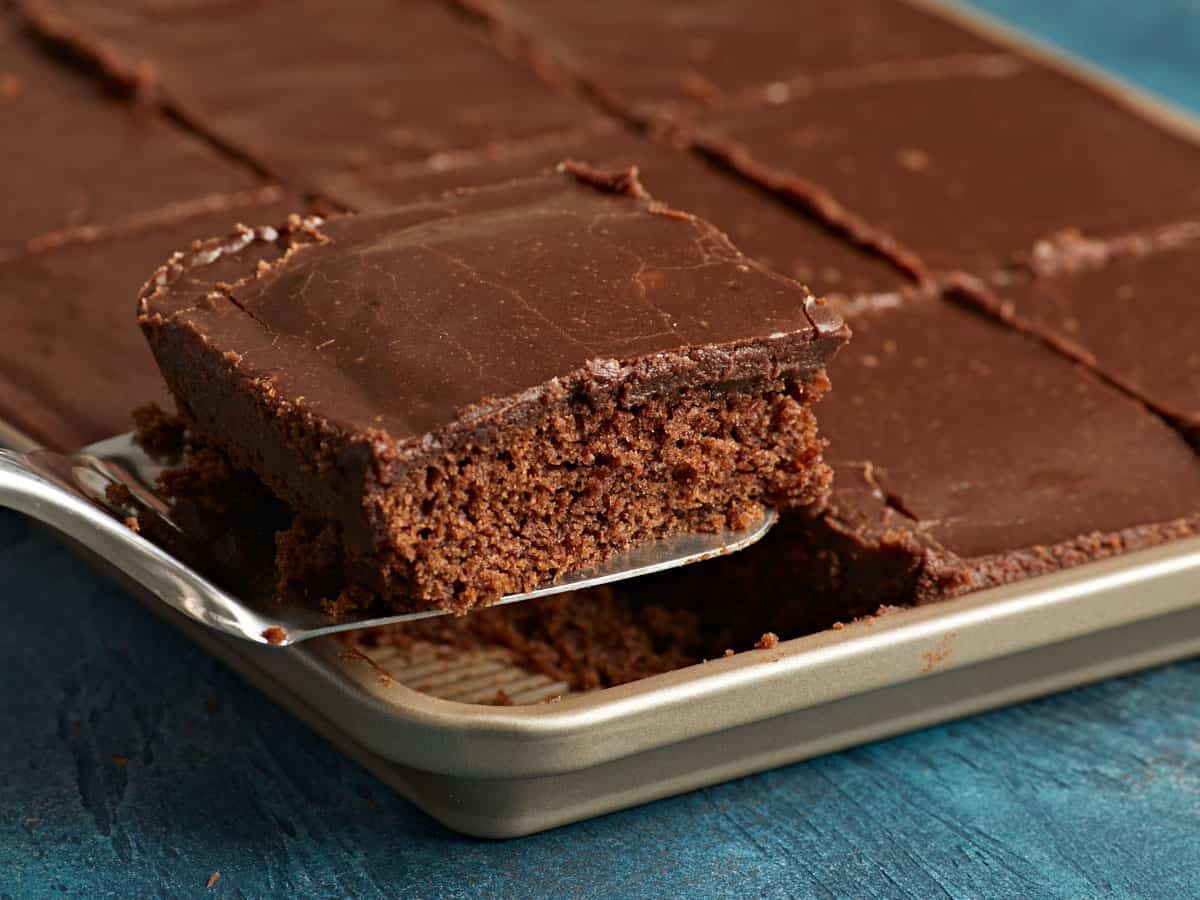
(477, 304)
(988, 442)
(76, 160)
(761, 224)
(305, 88)
(72, 363)
(966, 172)
(671, 55)
(1123, 306)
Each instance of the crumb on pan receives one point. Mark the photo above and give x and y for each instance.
(769, 641)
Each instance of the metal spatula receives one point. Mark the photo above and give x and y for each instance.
(68, 493)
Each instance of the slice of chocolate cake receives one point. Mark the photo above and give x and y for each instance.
(1125, 306)
(76, 159)
(466, 397)
(671, 58)
(1003, 459)
(965, 455)
(760, 222)
(940, 171)
(71, 362)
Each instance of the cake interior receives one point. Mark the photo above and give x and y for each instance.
(588, 478)
(230, 525)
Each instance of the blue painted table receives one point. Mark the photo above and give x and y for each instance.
(131, 765)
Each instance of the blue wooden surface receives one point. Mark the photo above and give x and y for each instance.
(133, 766)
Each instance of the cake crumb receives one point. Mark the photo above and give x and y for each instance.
(346, 603)
(838, 626)
(913, 159)
(935, 656)
(132, 523)
(120, 760)
(274, 635)
(158, 433)
(212, 879)
(728, 651)
(118, 494)
(699, 88)
(769, 641)
(502, 698)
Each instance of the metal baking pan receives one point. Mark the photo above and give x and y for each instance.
(420, 718)
(506, 771)
(423, 724)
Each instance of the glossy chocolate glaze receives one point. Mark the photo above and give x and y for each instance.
(1125, 306)
(987, 443)
(74, 159)
(303, 88)
(670, 57)
(967, 172)
(410, 321)
(762, 224)
(73, 362)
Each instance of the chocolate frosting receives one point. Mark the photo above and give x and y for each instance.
(1126, 307)
(73, 363)
(968, 171)
(671, 56)
(760, 223)
(304, 88)
(447, 315)
(75, 159)
(986, 442)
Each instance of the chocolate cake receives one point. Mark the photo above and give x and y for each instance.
(470, 396)
(965, 172)
(1126, 306)
(762, 224)
(374, 83)
(75, 158)
(69, 373)
(1024, 463)
(1010, 244)
(675, 57)
(965, 456)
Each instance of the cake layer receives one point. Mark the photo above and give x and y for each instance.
(595, 638)
(73, 158)
(305, 89)
(618, 360)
